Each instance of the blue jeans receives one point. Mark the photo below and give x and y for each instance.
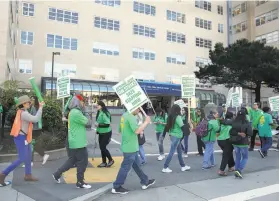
(142, 154)
(130, 160)
(208, 159)
(24, 155)
(160, 143)
(241, 157)
(186, 142)
(175, 144)
(266, 144)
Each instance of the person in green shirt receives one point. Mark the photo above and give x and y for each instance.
(78, 155)
(129, 129)
(174, 127)
(209, 140)
(200, 144)
(265, 132)
(104, 132)
(160, 122)
(226, 145)
(255, 115)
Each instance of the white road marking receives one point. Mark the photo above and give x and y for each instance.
(115, 141)
(251, 194)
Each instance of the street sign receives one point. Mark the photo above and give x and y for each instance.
(63, 87)
(188, 86)
(130, 93)
(229, 97)
(274, 103)
(235, 99)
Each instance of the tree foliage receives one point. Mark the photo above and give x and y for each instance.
(242, 64)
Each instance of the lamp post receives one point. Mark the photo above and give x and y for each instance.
(54, 53)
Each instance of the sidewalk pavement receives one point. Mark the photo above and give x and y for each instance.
(100, 179)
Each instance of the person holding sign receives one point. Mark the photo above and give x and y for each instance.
(104, 130)
(175, 128)
(22, 133)
(255, 115)
(129, 130)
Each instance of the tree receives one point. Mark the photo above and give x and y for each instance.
(243, 64)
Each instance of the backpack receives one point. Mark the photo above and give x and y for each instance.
(202, 128)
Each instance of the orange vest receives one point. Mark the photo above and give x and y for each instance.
(17, 127)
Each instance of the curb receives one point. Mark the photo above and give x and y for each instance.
(95, 194)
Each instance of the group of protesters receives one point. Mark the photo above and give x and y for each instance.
(233, 132)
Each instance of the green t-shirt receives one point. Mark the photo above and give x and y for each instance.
(224, 133)
(77, 137)
(255, 116)
(213, 128)
(160, 127)
(264, 125)
(176, 131)
(128, 126)
(103, 119)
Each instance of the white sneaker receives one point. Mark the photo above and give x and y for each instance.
(185, 168)
(161, 157)
(83, 185)
(31, 165)
(45, 158)
(185, 156)
(166, 170)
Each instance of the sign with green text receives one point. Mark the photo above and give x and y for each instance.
(188, 86)
(63, 87)
(235, 99)
(130, 93)
(274, 103)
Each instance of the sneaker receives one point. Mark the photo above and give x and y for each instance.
(57, 179)
(144, 163)
(31, 165)
(238, 174)
(150, 183)
(45, 158)
(185, 156)
(261, 153)
(119, 190)
(206, 168)
(166, 170)
(183, 169)
(161, 157)
(102, 165)
(83, 185)
(110, 163)
(251, 149)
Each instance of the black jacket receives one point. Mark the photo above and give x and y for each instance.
(186, 127)
(244, 128)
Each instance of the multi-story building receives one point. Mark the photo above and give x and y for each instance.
(255, 20)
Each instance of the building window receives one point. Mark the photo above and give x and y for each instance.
(201, 62)
(26, 38)
(27, 9)
(60, 42)
(144, 8)
(144, 31)
(268, 38)
(200, 42)
(242, 8)
(63, 15)
(25, 66)
(220, 28)
(206, 5)
(176, 37)
(238, 27)
(176, 59)
(105, 23)
(140, 53)
(203, 23)
(105, 49)
(267, 17)
(113, 3)
(176, 17)
(220, 10)
(258, 3)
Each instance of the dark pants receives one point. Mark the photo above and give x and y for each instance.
(67, 146)
(104, 139)
(253, 138)
(227, 158)
(80, 158)
(200, 144)
(37, 147)
(266, 144)
(130, 160)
